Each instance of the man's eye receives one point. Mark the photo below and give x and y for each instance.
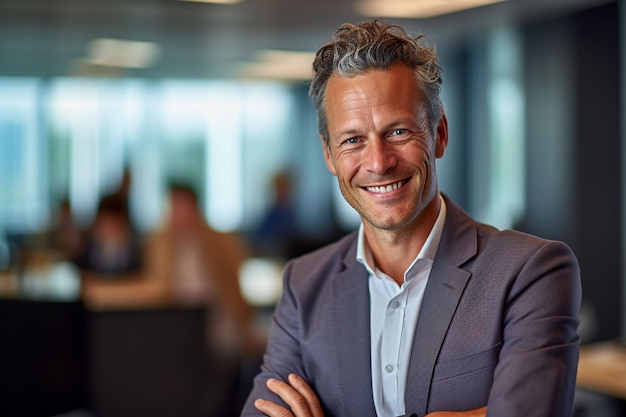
(397, 132)
(352, 141)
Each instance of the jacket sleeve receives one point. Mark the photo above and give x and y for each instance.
(536, 371)
(282, 355)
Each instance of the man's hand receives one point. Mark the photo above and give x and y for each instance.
(302, 400)
(479, 412)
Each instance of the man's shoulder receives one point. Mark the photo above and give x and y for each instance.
(513, 237)
(511, 246)
(488, 234)
(495, 242)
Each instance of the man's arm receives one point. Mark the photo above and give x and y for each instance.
(300, 397)
(536, 371)
(282, 356)
(303, 402)
(479, 412)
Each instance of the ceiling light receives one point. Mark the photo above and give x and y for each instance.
(122, 53)
(281, 65)
(417, 8)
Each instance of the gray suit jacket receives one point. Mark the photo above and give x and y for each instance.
(497, 327)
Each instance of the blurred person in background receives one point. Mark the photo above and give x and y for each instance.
(275, 235)
(423, 310)
(201, 267)
(112, 248)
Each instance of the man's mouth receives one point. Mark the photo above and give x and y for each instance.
(385, 188)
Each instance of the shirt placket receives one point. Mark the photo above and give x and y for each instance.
(390, 348)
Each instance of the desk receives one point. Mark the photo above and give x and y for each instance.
(42, 356)
(602, 368)
(148, 363)
(56, 357)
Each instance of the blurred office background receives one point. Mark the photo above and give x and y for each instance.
(93, 93)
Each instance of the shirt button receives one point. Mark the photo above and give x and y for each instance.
(395, 304)
(389, 368)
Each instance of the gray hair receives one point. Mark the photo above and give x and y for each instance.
(356, 49)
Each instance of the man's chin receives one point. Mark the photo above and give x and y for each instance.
(388, 224)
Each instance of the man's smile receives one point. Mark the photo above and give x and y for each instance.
(383, 189)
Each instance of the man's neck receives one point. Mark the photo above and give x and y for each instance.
(394, 250)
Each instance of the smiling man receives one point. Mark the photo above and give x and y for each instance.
(423, 311)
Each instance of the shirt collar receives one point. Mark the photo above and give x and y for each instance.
(428, 251)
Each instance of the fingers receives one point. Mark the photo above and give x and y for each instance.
(271, 408)
(311, 400)
(302, 400)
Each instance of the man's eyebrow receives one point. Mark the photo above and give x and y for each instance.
(405, 123)
(350, 131)
(345, 132)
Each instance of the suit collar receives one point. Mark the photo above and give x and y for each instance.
(459, 238)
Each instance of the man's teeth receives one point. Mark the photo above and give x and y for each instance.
(385, 189)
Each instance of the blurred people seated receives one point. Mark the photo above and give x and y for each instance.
(112, 248)
(188, 264)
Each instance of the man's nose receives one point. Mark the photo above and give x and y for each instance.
(379, 156)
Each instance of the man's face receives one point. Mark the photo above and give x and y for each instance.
(381, 147)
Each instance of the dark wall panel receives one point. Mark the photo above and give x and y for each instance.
(572, 81)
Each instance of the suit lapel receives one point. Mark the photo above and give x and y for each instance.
(442, 295)
(351, 327)
(443, 292)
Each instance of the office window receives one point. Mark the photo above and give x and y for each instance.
(224, 138)
(507, 133)
(93, 125)
(228, 139)
(23, 196)
(496, 129)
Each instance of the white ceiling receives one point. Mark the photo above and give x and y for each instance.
(47, 37)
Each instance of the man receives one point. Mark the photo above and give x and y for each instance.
(423, 310)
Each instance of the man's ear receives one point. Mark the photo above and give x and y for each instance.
(441, 141)
(328, 159)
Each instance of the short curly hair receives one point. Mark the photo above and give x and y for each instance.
(356, 49)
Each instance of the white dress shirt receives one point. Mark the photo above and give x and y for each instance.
(393, 317)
